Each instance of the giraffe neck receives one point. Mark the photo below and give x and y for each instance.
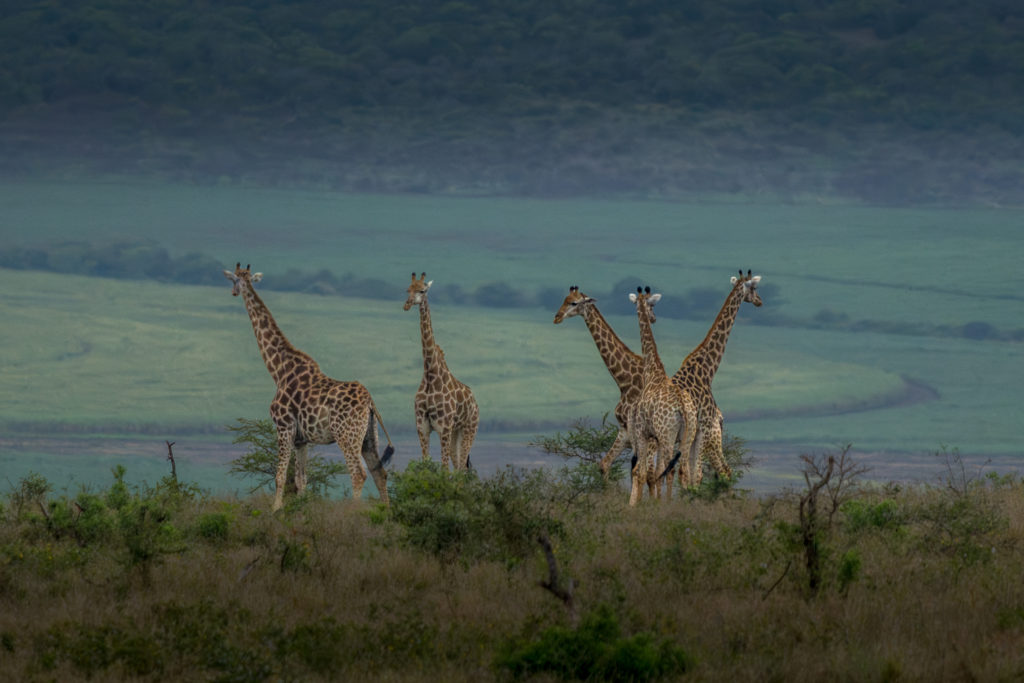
(708, 354)
(653, 368)
(275, 348)
(431, 358)
(622, 363)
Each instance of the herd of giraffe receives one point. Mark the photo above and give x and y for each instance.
(658, 415)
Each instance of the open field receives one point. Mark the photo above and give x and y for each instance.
(115, 357)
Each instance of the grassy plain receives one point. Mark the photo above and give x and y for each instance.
(118, 357)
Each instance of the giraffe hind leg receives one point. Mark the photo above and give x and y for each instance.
(448, 449)
(374, 463)
(301, 458)
(712, 449)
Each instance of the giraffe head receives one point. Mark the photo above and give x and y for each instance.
(645, 299)
(749, 284)
(241, 277)
(574, 304)
(417, 291)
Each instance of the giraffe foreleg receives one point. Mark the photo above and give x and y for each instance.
(285, 441)
(620, 444)
(423, 432)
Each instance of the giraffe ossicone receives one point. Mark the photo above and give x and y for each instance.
(309, 407)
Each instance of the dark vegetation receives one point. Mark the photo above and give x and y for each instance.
(146, 259)
(837, 579)
(892, 101)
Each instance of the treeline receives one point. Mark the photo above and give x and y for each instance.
(924, 63)
(886, 100)
(147, 260)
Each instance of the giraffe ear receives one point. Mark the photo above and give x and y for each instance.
(632, 297)
(256, 277)
(653, 299)
(231, 276)
(733, 279)
(429, 283)
(756, 279)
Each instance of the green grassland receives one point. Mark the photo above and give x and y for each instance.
(142, 357)
(93, 355)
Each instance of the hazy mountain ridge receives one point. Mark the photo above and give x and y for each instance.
(887, 101)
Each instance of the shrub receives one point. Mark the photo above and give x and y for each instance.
(586, 443)
(859, 515)
(31, 492)
(213, 526)
(457, 515)
(595, 650)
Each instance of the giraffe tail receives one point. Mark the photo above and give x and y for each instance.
(671, 464)
(390, 450)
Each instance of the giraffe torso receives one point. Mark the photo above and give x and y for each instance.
(444, 402)
(322, 410)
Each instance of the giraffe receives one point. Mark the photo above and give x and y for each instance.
(664, 412)
(310, 407)
(698, 370)
(442, 404)
(625, 366)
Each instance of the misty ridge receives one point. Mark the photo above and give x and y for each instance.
(147, 260)
(888, 101)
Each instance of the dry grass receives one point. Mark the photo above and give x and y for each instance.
(334, 591)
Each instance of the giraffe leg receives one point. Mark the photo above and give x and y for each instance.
(285, 439)
(447, 448)
(351, 452)
(423, 431)
(370, 455)
(712, 449)
(669, 456)
(639, 472)
(694, 456)
(687, 442)
(463, 443)
(654, 464)
(468, 435)
(301, 457)
(620, 444)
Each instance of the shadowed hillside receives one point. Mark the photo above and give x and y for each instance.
(892, 101)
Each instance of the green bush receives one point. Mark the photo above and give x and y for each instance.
(860, 515)
(457, 515)
(213, 526)
(595, 650)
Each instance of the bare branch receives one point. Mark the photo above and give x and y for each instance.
(777, 581)
(552, 584)
(170, 456)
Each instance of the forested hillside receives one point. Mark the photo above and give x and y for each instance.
(883, 100)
